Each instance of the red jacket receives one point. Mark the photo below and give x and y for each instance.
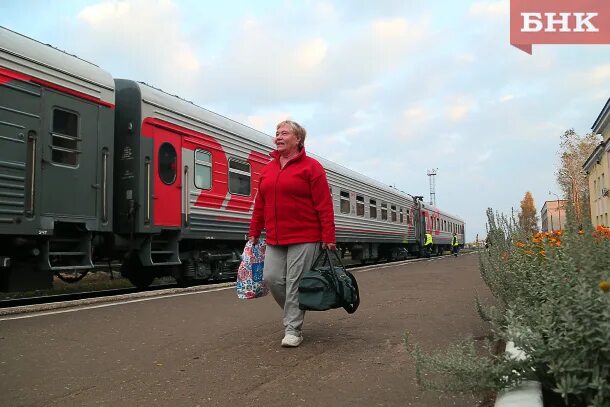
(294, 204)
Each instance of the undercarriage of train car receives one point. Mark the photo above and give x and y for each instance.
(68, 250)
(362, 253)
(70, 253)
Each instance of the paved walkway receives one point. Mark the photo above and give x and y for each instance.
(210, 349)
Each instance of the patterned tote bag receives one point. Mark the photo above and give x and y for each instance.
(250, 282)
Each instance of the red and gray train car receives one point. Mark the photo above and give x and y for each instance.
(98, 170)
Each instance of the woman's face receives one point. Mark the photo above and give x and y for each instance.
(285, 140)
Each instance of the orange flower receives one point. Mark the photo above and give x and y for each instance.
(520, 244)
(542, 253)
(581, 232)
(604, 285)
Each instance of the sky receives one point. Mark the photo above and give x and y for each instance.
(387, 88)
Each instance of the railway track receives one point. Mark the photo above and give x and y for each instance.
(93, 294)
(49, 299)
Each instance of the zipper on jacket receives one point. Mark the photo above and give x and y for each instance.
(275, 194)
(277, 236)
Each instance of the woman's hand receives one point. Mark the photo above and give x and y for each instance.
(329, 246)
(253, 240)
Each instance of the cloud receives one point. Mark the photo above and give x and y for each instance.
(598, 75)
(266, 121)
(269, 62)
(490, 9)
(323, 10)
(416, 114)
(310, 54)
(146, 36)
(483, 157)
(464, 58)
(461, 107)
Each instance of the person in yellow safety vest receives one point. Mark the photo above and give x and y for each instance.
(428, 245)
(455, 245)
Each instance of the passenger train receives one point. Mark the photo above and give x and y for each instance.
(96, 170)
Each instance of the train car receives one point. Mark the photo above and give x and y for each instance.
(56, 146)
(185, 184)
(95, 169)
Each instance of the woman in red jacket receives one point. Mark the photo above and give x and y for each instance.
(295, 208)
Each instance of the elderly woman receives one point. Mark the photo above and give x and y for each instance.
(295, 208)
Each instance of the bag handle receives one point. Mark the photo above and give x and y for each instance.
(325, 255)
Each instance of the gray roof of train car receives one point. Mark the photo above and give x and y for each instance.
(182, 107)
(31, 57)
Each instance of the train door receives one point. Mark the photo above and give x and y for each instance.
(419, 221)
(168, 178)
(19, 130)
(69, 156)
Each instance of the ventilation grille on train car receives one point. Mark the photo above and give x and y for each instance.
(12, 191)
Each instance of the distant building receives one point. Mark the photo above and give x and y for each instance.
(553, 215)
(598, 170)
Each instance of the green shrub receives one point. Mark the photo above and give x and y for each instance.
(553, 301)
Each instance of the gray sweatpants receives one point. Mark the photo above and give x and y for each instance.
(284, 266)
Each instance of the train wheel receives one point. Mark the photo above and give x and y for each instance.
(141, 277)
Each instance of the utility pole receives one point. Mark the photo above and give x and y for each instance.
(432, 174)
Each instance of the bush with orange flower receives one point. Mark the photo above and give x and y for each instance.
(553, 301)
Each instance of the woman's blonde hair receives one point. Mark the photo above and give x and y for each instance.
(297, 129)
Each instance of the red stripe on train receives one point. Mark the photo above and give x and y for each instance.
(7, 75)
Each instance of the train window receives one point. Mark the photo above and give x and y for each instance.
(408, 216)
(373, 209)
(167, 163)
(393, 212)
(344, 205)
(239, 177)
(401, 218)
(359, 205)
(64, 138)
(384, 211)
(203, 169)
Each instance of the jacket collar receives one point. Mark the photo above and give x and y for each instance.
(276, 154)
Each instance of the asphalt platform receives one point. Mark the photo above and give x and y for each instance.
(211, 349)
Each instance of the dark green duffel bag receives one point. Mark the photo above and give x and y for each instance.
(327, 286)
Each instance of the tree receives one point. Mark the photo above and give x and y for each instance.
(528, 217)
(571, 177)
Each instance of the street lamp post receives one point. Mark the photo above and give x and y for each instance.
(558, 208)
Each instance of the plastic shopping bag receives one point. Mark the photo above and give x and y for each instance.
(250, 282)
